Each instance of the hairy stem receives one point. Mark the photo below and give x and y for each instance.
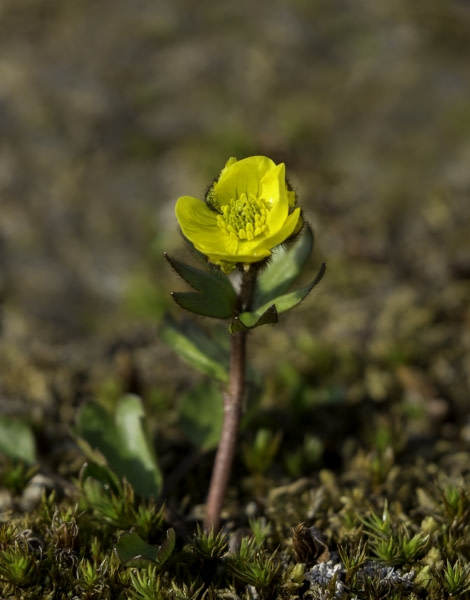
(233, 400)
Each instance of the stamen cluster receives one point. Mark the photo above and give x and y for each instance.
(244, 218)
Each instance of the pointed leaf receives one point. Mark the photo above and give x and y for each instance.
(285, 266)
(194, 345)
(288, 301)
(269, 311)
(216, 297)
(198, 279)
(201, 304)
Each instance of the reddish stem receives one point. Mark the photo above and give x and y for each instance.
(233, 399)
(232, 407)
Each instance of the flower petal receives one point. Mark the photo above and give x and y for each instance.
(247, 252)
(273, 183)
(199, 225)
(243, 176)
(291, 225)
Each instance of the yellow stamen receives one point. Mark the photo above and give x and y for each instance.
(244, 217)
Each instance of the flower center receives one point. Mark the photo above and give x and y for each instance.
(244, 217)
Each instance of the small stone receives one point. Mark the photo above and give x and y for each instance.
(6, 504)
(33, 492)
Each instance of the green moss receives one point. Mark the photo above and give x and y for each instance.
(361, 545)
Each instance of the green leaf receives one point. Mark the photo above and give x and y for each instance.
(201, 305)
(101, 489)
(130, 547)
(283, 269)
(215, 295)
(288, 301)
(17, 440)
(201, 415)
(266, 313)
(102, 474)
(250, 320)
(123, 440)
(207, 354)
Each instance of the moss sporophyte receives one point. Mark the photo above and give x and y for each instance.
(249, 214)
(248, 211)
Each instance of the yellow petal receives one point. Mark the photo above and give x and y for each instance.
(199, 225)
(291, 225)
(272, 184)
(242, 176)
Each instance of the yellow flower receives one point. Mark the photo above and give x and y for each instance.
(248, 211)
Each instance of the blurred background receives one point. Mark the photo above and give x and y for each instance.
(110, 110)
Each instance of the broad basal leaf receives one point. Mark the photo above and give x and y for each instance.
(131, 548)
(201, 415)
(17, 440)
(123, 440)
